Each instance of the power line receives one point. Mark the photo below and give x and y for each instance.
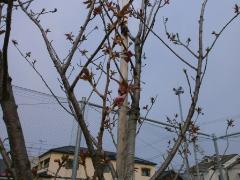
(219, 120)
(148, 144)
(98, 106)
(92, 105)
(37, 92)
(41, 103)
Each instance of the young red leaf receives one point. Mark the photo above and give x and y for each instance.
(119, 100)
(128, 55)
(97, 10)
(123, 88)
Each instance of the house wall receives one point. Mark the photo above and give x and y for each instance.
(234, 172)
(138, 171)
(214, 175)
(231, 174)
(53, 166)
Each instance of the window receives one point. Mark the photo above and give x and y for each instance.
(145, 172)
(69, 164)
(46, 163)
(40, 165)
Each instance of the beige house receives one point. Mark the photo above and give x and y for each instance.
(58, 162)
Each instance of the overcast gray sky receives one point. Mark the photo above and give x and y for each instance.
(219, 95)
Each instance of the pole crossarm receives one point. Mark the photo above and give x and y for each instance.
(228, 135)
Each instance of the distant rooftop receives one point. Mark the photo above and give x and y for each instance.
(109, 154)
(210, 161)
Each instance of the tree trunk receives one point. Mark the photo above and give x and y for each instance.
(192, 107)
(87, 135)
(134, 114)
(18, 151)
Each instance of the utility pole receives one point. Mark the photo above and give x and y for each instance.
(195, 157)
(220, 169)
(178, 92)
(122, 120)
(78, 144)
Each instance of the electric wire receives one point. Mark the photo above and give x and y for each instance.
(45, 99)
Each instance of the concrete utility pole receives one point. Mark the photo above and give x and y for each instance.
(196, 160)
(220, 169)
(78, 144)
(178, 92)
(122, 120)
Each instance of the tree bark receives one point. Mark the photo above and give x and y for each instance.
(134, 113)
(19, 158)
(18, 151)
(123, 118)
(87, 135)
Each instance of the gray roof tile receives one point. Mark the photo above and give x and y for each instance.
(109, 154)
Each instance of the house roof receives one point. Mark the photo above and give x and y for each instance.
(109, 154)
(234, 163)
(210, 161)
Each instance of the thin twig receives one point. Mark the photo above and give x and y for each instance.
(188, 81)
(48, 44)
(150, 23)
(79, 37)
(91, 58)
(176, 54)
(148, 111)
(220, 32)
(205, 68)
(43, 79)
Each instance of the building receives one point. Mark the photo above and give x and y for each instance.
(58, 162)
(208, 167)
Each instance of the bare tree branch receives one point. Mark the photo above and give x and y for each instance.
(217, 35)
(92, 56)
(4, 55)
(79, 37)
(6, 158)
(32, 64)
(176, 54)
(191, 111)
(48, 44)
